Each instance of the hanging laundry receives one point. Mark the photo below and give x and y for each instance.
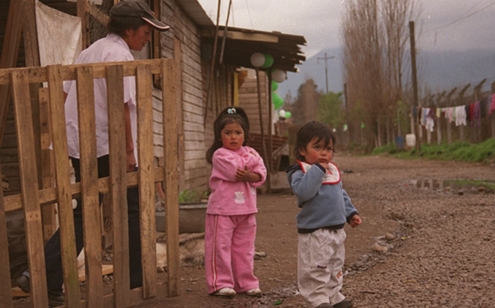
(430, 119)
(460, 115)
(468, 115)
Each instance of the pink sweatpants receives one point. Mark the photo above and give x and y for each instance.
(229, 252)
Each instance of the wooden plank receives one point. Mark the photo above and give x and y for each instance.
(62, 180)
(38, 74)
(8, 58)
(48, 195)
(179, 112)
(30, 34)
(29, 184)
(144, 88)
(106, 269)
(5, 294)
(171, 174)
(48, 212)
(118, 189)
(82, 12)
(89, 186)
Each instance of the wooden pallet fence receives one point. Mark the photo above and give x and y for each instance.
(33, 198)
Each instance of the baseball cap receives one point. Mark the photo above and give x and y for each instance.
(137, 8)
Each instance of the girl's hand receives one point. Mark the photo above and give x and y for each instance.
(247, 176)
(355, 221)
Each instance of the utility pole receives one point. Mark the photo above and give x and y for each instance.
(414, 81)
(326, 58)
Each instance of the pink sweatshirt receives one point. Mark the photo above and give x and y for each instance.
(229, 196)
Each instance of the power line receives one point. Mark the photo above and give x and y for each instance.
(248, 10)
(461, 18)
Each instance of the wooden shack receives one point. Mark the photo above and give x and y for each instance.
(197, 79)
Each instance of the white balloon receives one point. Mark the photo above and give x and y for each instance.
(278, 75)
(257, 59)
(281, 113)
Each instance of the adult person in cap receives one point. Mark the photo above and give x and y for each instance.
(129, 28)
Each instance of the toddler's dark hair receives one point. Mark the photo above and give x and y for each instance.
(308, 132)
(227, 116)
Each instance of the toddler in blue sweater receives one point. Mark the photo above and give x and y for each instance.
(325, 208)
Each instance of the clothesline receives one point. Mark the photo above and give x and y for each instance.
(461, 115)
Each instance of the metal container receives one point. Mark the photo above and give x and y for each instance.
(191, 218)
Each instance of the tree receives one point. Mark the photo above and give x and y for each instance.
(374, 34)
(305, 107)
(331, 110)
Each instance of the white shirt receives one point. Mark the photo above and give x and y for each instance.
(111, 48)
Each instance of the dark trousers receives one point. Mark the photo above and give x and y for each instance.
(53, 259)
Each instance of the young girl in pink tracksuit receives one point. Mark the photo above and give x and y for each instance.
(230, 229)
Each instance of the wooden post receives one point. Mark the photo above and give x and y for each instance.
(30, 188)
(493, 113)
(476, 134)
(461, 102)
(10, 51)
(170, 170)
(62, 179)
(429, 104)
(48, 211)
(5, 293)
(263, 145)
(437, 119)
(449, 125)
(415, 81)
(89, 186)
(144, 87)
(118, 187)
(270, 132)
(82, 12)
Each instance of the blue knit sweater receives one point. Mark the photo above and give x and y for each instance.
(322, 205)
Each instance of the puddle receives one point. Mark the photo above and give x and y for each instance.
(456, 186)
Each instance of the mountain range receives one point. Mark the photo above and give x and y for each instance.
(437, 70)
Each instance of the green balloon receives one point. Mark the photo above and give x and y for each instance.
(288, 114)
(274, 86)
(277, 100)
(268, 61)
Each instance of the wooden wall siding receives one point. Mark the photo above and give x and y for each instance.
(248, 99)
(193, 173)
(33, 196)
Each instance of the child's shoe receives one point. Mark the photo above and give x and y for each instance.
(324, 305)
(346, 303)
(254, 292)
(226, 292)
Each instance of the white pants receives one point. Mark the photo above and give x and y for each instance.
(320, 260)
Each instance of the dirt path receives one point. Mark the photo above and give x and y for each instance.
(441, 254)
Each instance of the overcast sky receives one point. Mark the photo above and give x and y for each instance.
(444, 24)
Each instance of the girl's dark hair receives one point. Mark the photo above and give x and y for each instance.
(227, 116)
(308, 132)
(118, 24)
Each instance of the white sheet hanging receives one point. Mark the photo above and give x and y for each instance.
(59, 35)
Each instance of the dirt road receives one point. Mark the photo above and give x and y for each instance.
(439, 251)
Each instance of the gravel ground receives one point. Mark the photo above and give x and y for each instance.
(444, 254)
(423, 243)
